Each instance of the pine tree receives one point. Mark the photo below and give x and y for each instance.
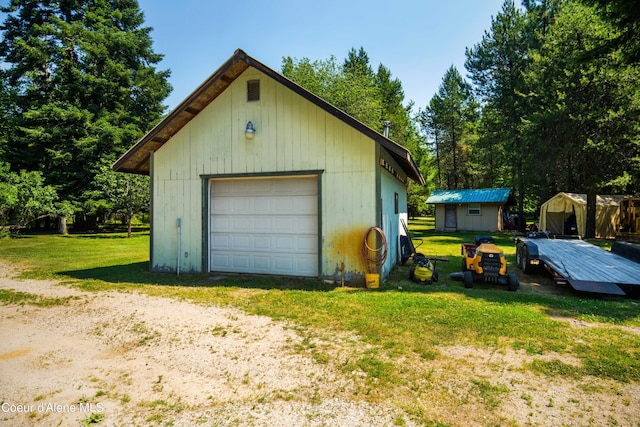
(85, 88)
(586, 111)
(449, 118)
(496, 66)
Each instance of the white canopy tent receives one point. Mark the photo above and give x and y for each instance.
(555, 212)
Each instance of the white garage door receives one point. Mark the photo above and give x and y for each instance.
(264, 225)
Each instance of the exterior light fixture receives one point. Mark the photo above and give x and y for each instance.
(249, 132)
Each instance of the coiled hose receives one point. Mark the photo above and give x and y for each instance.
(374, 258)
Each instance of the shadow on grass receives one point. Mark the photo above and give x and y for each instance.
(139, 274)
(102, 236)
(566, 304)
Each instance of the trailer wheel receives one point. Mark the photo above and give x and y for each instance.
(512, 282)
(522, 259)
(412, 273)
(468, 279)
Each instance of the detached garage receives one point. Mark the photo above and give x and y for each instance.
(254, 174)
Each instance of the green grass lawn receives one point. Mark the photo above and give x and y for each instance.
(401, 319)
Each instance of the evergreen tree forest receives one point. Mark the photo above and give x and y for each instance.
(549, 101)
(556, 88)
(78, 88)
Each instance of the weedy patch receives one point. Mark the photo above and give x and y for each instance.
(490, 394)
(11, 297)
(93, 419)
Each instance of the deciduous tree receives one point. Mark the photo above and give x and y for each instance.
(23, 198)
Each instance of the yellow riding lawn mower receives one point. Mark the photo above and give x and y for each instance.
(486, 262)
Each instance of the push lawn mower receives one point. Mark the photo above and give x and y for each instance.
(423, 270)
(407, 249)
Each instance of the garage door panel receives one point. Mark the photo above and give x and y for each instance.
(240, 261)
(308, 244)
(302, 265)
(308, 264)
(261, 204)
(284, 243)
(266, 186)
(261, 262)
(221, 242)
(223, 260)
(262, 243)
(264, 225)
(284, 264)
(300, 223)
(299, 244)
(307, 205)
(242, 242)
(222, 206)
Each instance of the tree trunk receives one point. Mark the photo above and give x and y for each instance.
(62, 225)
(590, 230)
(455, 159)
(522, 222)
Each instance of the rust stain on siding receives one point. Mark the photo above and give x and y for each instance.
(345, 246)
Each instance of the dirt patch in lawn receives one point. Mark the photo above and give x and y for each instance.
(119, 358)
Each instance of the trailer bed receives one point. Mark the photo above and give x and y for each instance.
(584, 266)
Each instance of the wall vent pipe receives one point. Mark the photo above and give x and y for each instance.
(179, 225)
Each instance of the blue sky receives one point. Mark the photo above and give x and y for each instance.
(418, 40)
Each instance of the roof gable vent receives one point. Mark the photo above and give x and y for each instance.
(253, 90)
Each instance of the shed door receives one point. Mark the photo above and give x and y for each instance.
(264, 225)
(450, 220)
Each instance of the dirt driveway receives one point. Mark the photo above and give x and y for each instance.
(118, 358)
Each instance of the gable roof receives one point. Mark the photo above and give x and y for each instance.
(581, 199)
(482, 195)
(137, 159)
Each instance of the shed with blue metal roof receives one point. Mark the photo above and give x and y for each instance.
(483, 209)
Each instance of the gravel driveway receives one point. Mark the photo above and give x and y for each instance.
(132, 359)
(124, 358)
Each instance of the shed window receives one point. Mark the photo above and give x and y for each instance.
(473, 209)
(253, 90)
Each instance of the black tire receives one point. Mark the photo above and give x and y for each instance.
(522, 259)
(519, 258)
(434, 276)
(468, 279)
(512, 282)
(464, 264)
(412, 273)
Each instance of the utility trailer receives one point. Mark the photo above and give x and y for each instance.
(582, 265)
